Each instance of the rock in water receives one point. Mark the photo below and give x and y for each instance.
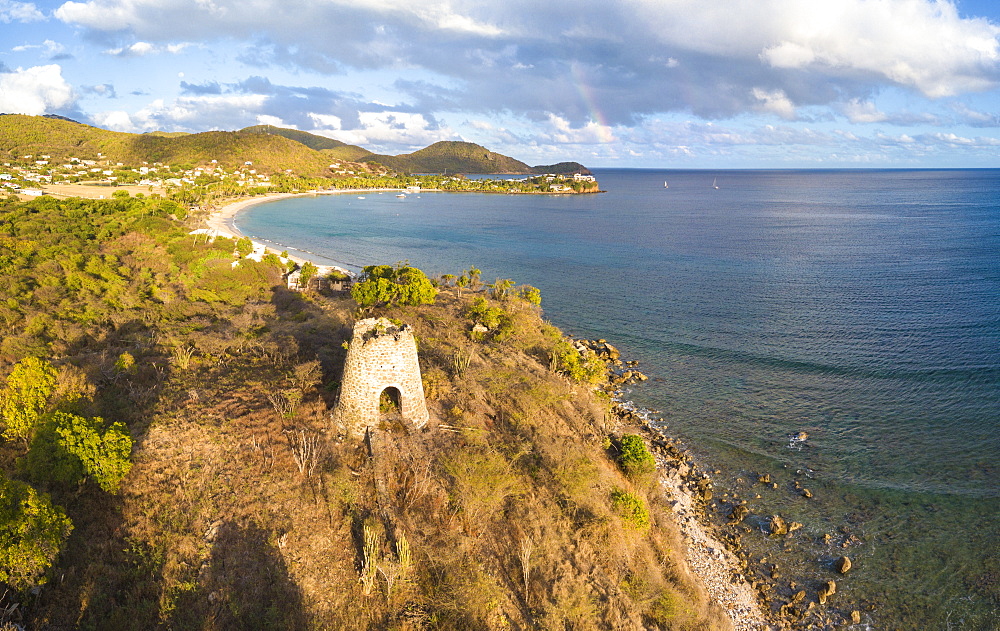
(826, 591)
(777, 525)
(739, 513)
(842, 565)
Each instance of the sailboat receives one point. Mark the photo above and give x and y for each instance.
(715, 184)
(665, 184)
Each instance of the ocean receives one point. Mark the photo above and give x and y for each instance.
(861, 307)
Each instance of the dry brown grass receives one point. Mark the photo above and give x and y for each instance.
(219, 529)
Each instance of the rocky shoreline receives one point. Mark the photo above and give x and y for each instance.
(751, 590)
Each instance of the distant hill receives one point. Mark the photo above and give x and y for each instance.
(269, 148)
(62, 139)
(451, 156)
(562, 168)
(167, 134)
(319, 143)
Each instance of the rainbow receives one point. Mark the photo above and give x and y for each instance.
(590, 101)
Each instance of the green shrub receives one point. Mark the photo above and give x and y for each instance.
(630, 508)
(670, 607)
(496, 319)
(32, 532)
(584, 367)
(634, 457)
(393, 284)
(25, 397)
(71, 446)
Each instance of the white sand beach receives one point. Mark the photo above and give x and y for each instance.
(220, 222)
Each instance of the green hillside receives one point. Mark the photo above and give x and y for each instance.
(270, 149)
(562, 168)
(451, 156)
(319, 143)
(61, 139)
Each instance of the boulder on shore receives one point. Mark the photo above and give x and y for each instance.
(842, 565)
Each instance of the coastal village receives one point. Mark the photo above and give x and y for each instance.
(31, 175)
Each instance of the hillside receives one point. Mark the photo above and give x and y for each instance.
(330, 146)
(562, 168)
(452, 156)
(61, 139)
(238, 504)
(270, 149)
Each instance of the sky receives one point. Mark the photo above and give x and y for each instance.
(609, 83)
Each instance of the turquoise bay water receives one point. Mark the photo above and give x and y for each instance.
(862, 307)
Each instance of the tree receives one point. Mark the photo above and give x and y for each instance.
(307, 273)
(393, 284)
(25, 397)
(32, 532)
(103, 452)
(473, 275)
(244, 247)
(530, 294)
(501, 288)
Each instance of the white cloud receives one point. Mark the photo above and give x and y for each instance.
(326, 121)
(192, 113)
(919, 44)
(774, 102)
(117, 120)
(36, 90)
(50, 47)
(13, 11)
(976, 118)
(858, 111)
(562, 132)
(266, 119)
(379, 130)
(141, 49)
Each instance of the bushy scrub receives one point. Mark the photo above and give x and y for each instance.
(497, 321)
(399, 284)
(70, 448)
(630, 508)
(584, 367)
(32, 532)
(103, 451)
(634, 457)
(670, 607)
(25, 396)
(482, 480)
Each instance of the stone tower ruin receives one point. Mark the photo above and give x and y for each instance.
(381, 357)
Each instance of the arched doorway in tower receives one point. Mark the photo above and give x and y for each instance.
(390, 409)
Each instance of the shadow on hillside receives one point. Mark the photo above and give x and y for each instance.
(321, 334)
(245, 585)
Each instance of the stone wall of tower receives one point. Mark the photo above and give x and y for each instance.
(380, 355)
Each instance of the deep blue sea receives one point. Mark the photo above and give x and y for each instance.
(861, 307)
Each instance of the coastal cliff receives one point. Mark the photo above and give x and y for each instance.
(242, 501)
